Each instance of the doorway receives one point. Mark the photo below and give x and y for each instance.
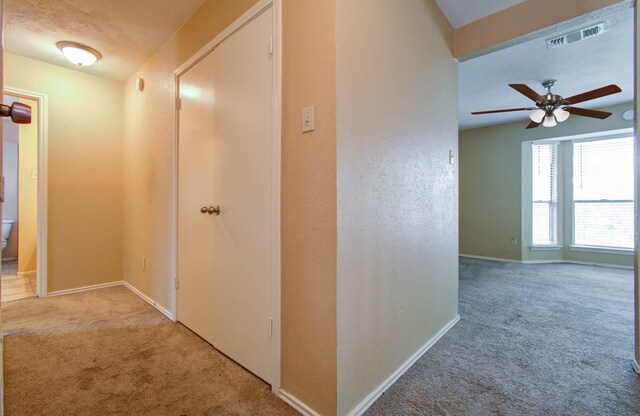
(24, 209)
(566, 201)
(19, 216)
(227, 168)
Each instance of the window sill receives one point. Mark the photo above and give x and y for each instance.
(545, 248)
(607, 250)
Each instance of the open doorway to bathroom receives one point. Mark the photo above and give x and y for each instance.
(20, 211)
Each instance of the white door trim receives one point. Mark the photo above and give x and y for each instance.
(247, 17)
(41, 234)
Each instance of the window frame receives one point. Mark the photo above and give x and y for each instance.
(570, 197)
(566, 213)
(559, 194)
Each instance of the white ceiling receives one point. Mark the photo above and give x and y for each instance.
(578, 67)
(462, 12)
(125, 32)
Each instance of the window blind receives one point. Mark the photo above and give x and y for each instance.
(544, 194)
(603, 193)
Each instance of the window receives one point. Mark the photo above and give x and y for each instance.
(580, 191)
(545, 194)
(603, 193)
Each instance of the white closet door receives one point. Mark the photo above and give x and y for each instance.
(228, 299)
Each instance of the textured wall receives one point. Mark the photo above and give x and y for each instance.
(85, 171)
(28, 192)
(309, 205)
(491, 181)
(397, 92)
(149, 123)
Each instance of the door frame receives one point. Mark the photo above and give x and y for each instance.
(41, 233)
(276, 163)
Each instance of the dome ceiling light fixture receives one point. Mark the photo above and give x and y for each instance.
(552, 109)
(79, 54)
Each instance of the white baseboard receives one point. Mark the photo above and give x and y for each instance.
(588, 263)
(636, 367)
(149, 300)
(585, 263)
(84, 289)
(112, 284)
(374, 395)
(296, 404)
(471, 256)
(27, 274)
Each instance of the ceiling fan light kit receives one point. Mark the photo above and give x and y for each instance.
(549, 121)
(561, 114)
(552, 109)
(537, 115)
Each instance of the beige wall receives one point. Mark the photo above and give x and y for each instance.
(27, 191)
(149, 147)
(85, 171)
(397, 193)
(491, 183)
(308, 184)
(309, 205)
(520, 20)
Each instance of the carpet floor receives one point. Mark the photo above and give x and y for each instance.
(552, 339)
(107, 352)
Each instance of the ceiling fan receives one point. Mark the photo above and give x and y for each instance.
(552, 109)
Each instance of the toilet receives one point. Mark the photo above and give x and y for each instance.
(6, 231)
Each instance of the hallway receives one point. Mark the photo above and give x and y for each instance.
(107, 352)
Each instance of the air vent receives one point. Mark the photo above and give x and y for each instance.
(572, 37)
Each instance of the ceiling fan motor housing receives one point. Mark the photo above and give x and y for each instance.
(550, 102)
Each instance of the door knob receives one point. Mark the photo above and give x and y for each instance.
(19, 113)
(211, 210)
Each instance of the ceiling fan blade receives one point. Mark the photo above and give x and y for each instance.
(503, 111)
(592, 95)
(526, 91)
(533, 125)
(588, 113)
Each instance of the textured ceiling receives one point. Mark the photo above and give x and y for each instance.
(578, 67)
(462, 12)
(125, 32)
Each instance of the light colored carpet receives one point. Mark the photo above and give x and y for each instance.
(533, 340)
(107, 352)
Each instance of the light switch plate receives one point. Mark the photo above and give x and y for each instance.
(308, 119)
